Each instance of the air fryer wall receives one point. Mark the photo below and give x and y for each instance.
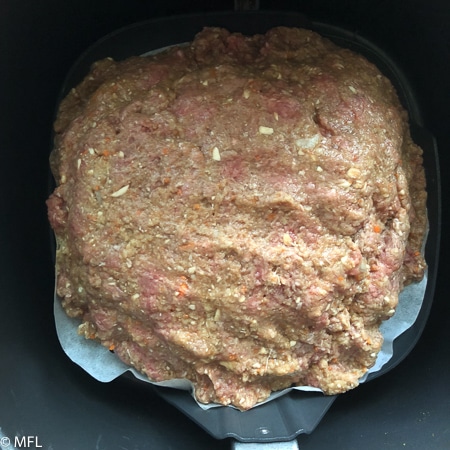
(44, 395)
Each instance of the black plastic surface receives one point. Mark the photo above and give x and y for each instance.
(280, 420)
(41, 392)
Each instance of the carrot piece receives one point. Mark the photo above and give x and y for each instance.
(183, 288)
(377, 229)
(187, 246)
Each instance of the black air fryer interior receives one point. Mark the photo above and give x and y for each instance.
(42, 393)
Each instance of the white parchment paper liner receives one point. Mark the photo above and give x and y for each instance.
(105, 366)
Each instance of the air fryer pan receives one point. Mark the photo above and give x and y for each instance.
(283, 419)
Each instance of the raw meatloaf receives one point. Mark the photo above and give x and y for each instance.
(240, 211)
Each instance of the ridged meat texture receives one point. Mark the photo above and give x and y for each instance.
(240, 211)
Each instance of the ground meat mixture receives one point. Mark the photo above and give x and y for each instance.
(239, 211)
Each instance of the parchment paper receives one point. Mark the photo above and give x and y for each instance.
(105, 366)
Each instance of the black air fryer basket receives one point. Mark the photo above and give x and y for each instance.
(284, 418)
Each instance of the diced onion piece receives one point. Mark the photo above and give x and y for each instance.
(216, 154)
(120, 191)
(353, 172)
(265, 130)
(308, 142)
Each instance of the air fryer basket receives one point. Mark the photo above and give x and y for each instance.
(286, 417)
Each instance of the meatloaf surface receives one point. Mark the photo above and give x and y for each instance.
(241, 211)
